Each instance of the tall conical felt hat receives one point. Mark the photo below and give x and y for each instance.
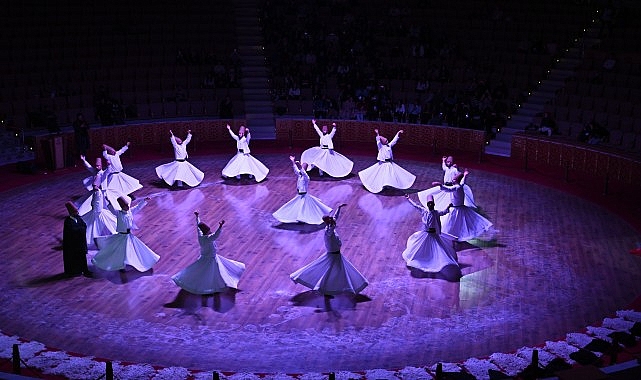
(71, 208)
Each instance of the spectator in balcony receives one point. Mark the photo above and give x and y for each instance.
(360, 109)
(209, 82)
(548, 125)
(226, 108)
(586, 133)
(342, 72)
(609, 63)
(607, 16)
(294, 91)
(81, 134)
(220, 74)
(413, 112)
(399, 112)
(594, 133)
(347, 109)
(320, 107)
(210, 273)
(422, 85)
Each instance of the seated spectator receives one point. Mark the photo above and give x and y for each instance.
(399, 112)
(600, 134)
(414, 112)
(586, 133)
(594, 133)
(294, 92)
(609, 63)
(548, 125)
(421, 86)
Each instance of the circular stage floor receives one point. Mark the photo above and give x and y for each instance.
(552, 264)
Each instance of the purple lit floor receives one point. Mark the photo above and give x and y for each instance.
(553, 264)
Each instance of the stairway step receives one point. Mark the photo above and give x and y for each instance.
(537, 98)
(260, 109)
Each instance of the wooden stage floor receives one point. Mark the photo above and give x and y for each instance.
(553, 264)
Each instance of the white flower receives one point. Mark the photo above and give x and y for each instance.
(346, 375)
(380, 374)
(601, 332)
(544, 356)
(618, 324)
(30, 349)
(133, 371)
(414, 373)
(6, 345)
(79, 368)
(47, 360)
(243, 376)
(204, 375)
(313, 376)
(510, 364)
(479, 367)
(578, 339)
(171, 373)
(630, 315)
(447, 367)
(278, 376)
(561, 349)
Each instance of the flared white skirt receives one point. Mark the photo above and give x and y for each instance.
(328, 160)
(442, 199)
(119, 250)
(210, 274)
(382, 174)
(464, 223)
(84, 203)
(429, 253)
(122, 183)
(331, 273)
(180, 171)
(303, 208)
(99, 223)
(243, 163)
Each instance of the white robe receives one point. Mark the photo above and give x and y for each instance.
(210, 273)
(427, 251)
(385, 172)
(123, 248)
(84, 203)
(180, 169)
(463, 222)
(100, 221)
(325, 158)
(303, 208)
(243, 162)
(443, 199)
(118, 183)
(331, 273)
